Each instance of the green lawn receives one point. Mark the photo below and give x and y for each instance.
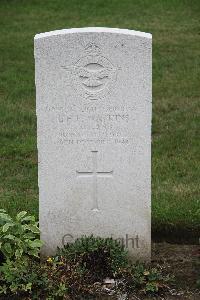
(175, 25)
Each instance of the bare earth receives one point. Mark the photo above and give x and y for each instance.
(182, 261)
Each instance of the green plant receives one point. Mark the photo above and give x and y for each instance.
(27, 278)
(23, 276)
(145, 279)
(78, 270)
(96, 256)
(19, 236)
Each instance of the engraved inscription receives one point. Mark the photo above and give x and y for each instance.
(94, 174)
(93, 123)
(92, 75)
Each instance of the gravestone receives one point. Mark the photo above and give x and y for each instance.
(93, 92)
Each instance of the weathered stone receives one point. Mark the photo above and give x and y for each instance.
(93, 90)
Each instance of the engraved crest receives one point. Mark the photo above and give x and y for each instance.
(93, 74)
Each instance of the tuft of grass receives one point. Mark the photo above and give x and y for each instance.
(176, 89)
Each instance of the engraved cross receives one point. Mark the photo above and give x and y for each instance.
(94, 174)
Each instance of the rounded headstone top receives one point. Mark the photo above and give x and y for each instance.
(94, 30)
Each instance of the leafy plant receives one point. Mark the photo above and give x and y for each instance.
(19, 236)
(96, 256)
(23, 276)
(145, 279)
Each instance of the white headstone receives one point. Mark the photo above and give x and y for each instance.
(93, 90)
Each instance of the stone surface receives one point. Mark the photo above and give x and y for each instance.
(93, 91)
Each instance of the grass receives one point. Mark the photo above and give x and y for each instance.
(176, 105)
